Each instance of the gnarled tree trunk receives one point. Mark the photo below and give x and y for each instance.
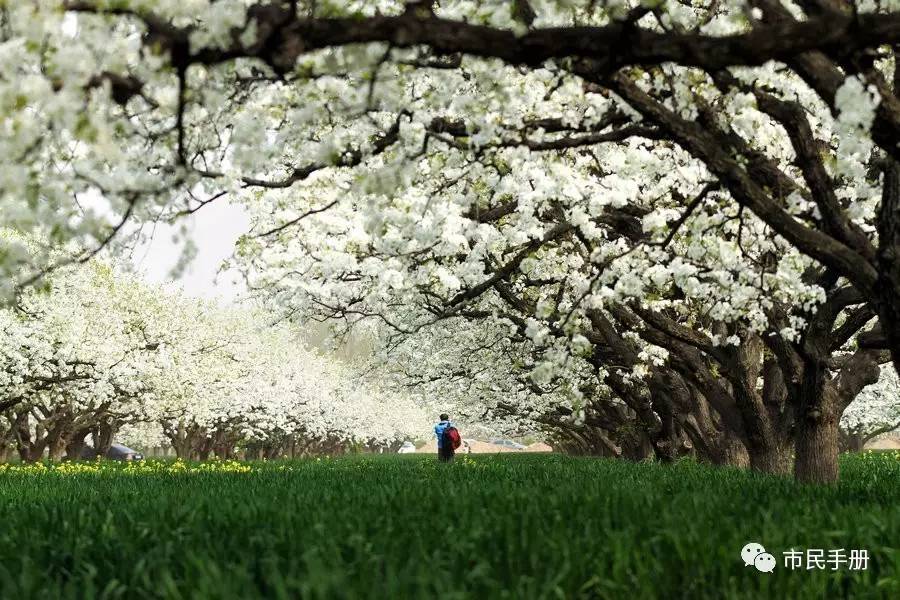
(816, 436)
(76, 444)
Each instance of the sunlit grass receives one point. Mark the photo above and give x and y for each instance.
(507, 526)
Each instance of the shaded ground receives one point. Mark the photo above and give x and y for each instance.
(479, 447)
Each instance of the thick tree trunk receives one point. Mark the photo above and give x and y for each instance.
(186, 440)
(610, 447)
(223, 444)
(224, 451)
(887, 291)
(816, 436)
(32, 452)
(203, 448)
(182, 447)
(714, 444)
(76, 445)
(637, 448)
(269, 451)
(301, 448)
(732, 452)
(665, 441)
(31, 449)
(817, 449)
(851, 442)
(56, 448)
(769, 451)
(103, 437)
(771, 457)
(888, 305)
(718, 448)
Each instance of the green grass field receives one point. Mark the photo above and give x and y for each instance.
(489, 527)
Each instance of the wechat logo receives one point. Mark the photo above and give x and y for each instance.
(755, 555)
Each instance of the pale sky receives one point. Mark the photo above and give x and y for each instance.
(215, 228)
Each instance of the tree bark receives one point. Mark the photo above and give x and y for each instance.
(665, 443)
(733, 453)
(771, 457)
(817, 449)
(851, 442)
(887, 291)
(76, 444)
(56, 447)
(32, 452)
(816, 437)
(103, 437)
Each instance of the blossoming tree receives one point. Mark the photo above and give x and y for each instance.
(780, 118)
(875, 412)
(101, 350)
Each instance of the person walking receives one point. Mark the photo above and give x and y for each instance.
(448, 439)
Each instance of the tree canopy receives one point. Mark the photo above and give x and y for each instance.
(679, 215)
(101, 351)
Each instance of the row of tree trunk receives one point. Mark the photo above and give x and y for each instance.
(55, 434)
(194, 442)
